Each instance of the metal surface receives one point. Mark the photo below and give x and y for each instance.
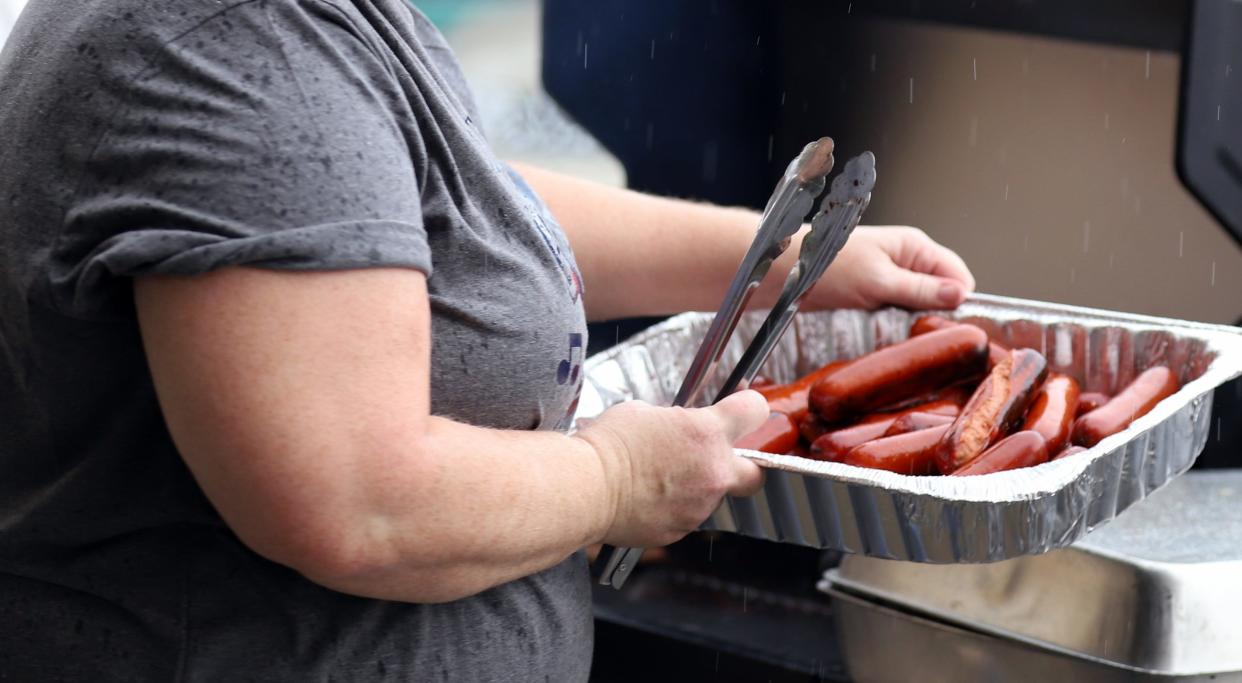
(830, 229)
(882, 644)
(1157, 591)
(949, 519)
(795, 194)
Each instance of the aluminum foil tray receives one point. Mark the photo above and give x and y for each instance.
(949, 519)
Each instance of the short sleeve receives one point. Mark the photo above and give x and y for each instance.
(270, 135)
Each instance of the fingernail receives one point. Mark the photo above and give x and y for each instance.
(950, 293)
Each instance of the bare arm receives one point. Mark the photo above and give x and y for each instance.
(300, 402)
(647, 255)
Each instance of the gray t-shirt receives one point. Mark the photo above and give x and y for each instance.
(182, 136)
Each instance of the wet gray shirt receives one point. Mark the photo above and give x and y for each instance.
(182, 136)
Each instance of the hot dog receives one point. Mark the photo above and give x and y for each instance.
(917, 420)
(910, 453)
(1053, 410)
(779, 434)
(996, 407)
(791, 398)
(835, 444)
(930, 323)
(1089, 401)
(811, 427)
(899, 372)
(1140, 396)
(1066, 452)
(1022, 449)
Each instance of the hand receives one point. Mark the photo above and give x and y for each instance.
(899, 266)
(668, 468)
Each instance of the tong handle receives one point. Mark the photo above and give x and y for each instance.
(795, 194)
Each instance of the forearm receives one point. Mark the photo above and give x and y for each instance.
(483, 507)
(646, 255)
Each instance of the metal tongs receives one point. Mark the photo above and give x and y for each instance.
(842, 208)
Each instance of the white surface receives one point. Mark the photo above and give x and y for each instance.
(9, 9)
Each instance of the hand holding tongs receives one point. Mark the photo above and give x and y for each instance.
(839, 213)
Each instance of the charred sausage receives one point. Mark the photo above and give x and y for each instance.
(994, 410)
(899, 372)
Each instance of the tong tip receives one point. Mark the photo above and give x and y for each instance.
(855, 181)
(816, 160)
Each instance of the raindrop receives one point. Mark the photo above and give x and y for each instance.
(653, 49)
(1213, 273)
(1026, 242)
(974, 67)
(1105, 121)
(782, 98)
(1006, 191)
(1086, 236)
(757, 39)
(771, 139)
(1181, 242)
(1147, 73)
(1218, 112)
(710, 162)
(744, 598)
(912, 90)
(1110, 259)
(586, 54)
(711, 542)
(974, 133)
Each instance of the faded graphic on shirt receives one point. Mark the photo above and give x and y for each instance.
(568, 369)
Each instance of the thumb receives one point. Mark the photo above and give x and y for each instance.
(741, 413)
(918, 290)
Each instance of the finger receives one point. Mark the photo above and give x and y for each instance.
(749, 478)
(741, 413)
(917, 290)
(946, 263)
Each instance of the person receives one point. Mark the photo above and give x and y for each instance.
(283, 355)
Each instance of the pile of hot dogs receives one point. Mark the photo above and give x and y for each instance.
(947, 401)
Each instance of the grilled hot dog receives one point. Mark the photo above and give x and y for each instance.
(1140, 396)
(1022, 449)
(997, 351)
(910, 453)
(835, 444)
(1089, 401)
(779, 435)
(996, 408)
(899, 372)
(1053, 410)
